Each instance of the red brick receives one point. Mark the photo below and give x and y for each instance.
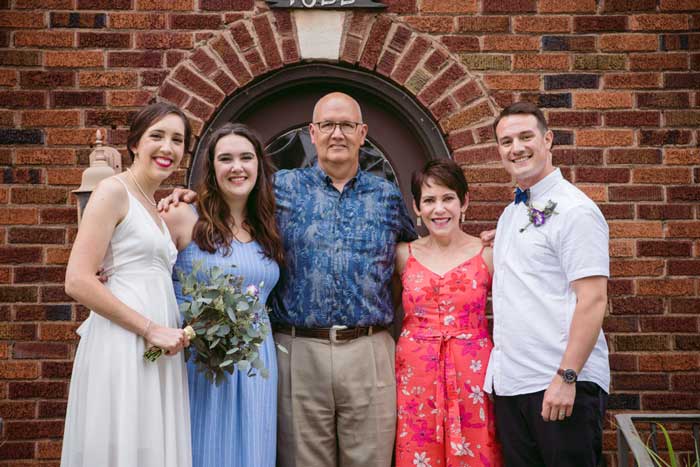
(44, 118)
(18, 216)
(61, 136)
(73, 59)
(631, 80)
(136, 59)
(45, 156)
(54, 294)
(8, 78)
(682, 80)
(67, 215)
(52, 409)
(688, 267)
(595, 192)
(683, 229)
(677, 156)
(602, 175)
(670, 324)
(623, 229)
(431, 24)
(604, 137)
(226, 5)
(684, 118)
(689, 383)
(229, 56)
(685, 305)
(375, 42)
(637, 306)
(48, 4)
(663, 100)
(602, 100)
(663, 248)
(33, 274)
(600, 23)
(666, 287)
(623, 362)
(165, 5)
(664, 137)
(629, 43)
(668, 362)
(444, 82)
(460, 139)
(640, 381)
(497, 42)
(20, 255)
(629, 5)
(44, 350)
(57, 255)
(482, 24)
(19, 370)
(58, 331)
(36, 235)
(22, 99)
(663, 402)
(659, 22)
(21, 20)
(17, 451)
(19, 332)
(509, 6)
(164, 40)
(638, 342)
(467, 117)
(480, 155)
(541, 62)
(66, 99)
(409, 62)
(17, 409)
(665, 211)
(659, 61)
(658, 175)
(58, 370)
(195, 21)
(46, 79)
(19, 58)
(147, 21)
(567, 6)
(683, 193)
(43, 39)
(636, 268)
(18, 430)
(36, 195)
(48, 449)
(456, 6)
(512, 81)
(130, 98)
(632, 119)
(541, 24)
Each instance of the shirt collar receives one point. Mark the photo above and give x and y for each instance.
(321, 176)
(546, 184)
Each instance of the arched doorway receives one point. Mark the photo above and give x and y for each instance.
(402, 135)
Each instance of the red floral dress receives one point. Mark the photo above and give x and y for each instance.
(444, 417)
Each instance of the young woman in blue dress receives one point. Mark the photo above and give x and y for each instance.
(232, 226)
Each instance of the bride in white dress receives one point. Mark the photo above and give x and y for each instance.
(124, 411)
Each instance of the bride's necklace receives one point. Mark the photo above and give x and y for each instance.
(133, 177)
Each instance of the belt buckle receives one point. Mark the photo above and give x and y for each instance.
(332, 333)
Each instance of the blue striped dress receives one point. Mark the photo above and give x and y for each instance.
(234, 425)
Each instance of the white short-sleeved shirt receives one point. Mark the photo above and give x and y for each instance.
(533, 302)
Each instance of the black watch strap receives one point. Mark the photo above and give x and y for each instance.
(568, 375)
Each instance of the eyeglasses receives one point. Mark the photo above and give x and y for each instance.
(347, 128)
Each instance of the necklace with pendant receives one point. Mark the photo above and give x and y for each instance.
(133, 177)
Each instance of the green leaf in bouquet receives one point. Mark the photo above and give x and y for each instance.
(184, 306)
(243, 365)
(212, 330)
(214, 343)
(231, 314)
(226, 363)
(216, 272)
(242, 306)
(223, 330)
(258, 364)
(232, 350)
(195, 309)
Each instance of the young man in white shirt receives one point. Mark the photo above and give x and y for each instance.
(549, 367)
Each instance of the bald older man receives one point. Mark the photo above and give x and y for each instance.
(340, 226)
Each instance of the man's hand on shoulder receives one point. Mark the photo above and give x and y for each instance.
(173, 199)
(487, 237)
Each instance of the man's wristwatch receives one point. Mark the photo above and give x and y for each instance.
(569, 376)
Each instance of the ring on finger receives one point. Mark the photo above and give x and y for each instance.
(562, 414)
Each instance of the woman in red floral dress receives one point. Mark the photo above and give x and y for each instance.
(444, 417)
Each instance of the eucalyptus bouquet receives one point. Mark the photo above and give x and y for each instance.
(226, 321)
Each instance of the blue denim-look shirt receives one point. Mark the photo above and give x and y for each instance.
(339, 248)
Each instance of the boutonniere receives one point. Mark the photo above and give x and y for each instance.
(538, 214)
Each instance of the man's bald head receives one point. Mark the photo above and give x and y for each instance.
(337, 99)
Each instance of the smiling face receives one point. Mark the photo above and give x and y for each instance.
(337, 148)
(440, 208)
(235, 166)
(524, 148)
(161, 147)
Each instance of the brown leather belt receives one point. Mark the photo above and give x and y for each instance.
(331, 334)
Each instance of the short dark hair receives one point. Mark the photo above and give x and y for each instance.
(150, 115)
(444, 172)
(522, 108)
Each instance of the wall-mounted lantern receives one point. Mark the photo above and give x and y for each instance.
(105, 161)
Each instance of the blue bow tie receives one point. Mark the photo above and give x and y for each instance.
(522, 196)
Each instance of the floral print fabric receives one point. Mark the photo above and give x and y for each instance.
(444, 417)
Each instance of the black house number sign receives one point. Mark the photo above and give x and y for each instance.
(325, 4)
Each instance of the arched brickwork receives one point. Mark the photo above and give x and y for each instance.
(252, 47)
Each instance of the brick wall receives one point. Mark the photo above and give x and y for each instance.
(619, 80)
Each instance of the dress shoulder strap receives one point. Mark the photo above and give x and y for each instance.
(482, 250)
(124, 184)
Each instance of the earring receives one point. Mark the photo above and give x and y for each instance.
(419, 222)
(464, 217)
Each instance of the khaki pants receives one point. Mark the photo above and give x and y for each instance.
(336, 402)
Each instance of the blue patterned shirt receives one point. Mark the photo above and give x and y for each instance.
(339, 248)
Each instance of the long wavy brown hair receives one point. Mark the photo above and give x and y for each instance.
(212, 231)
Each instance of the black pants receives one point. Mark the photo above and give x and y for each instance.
(528, 441)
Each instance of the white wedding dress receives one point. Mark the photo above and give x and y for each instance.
(124, 411)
